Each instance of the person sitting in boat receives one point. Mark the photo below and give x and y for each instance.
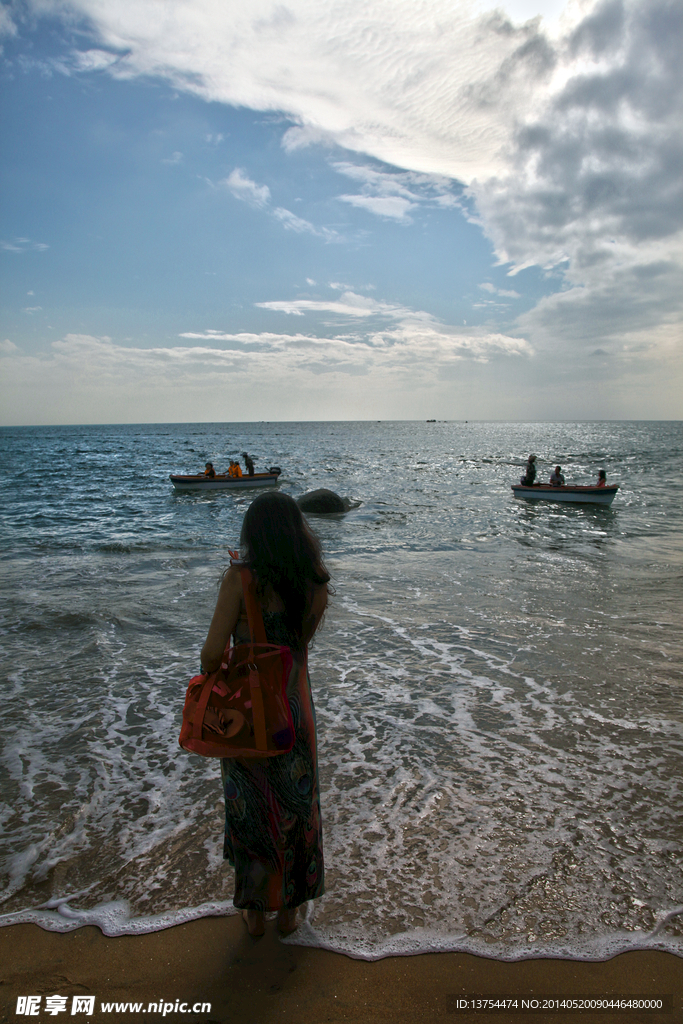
(602, 478)
(235, 469)
(530, 472)
(210, 471)
(249, 463)
(556, 478)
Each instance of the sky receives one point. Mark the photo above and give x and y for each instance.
(357, 209)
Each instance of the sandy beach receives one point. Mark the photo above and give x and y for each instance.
(214, 961)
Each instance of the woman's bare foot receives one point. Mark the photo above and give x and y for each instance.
(286, 921)
(255, 922)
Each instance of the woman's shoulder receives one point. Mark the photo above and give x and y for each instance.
(232, 579)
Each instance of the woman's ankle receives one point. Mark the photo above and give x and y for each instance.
(255, 922)
(286, 921)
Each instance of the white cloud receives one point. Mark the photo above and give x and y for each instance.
(301, 136)
(434, 89)
(447, 200)
(20, 245)
(290, 221)
(7, 25)
(407, 344)
(349, 304)
(94, 60)
(383, 182)
(75, 63)
(419, 369)
(414, 335)
(447, 344)
(505, 293)
(175, 158)
(247, 190)
(625, 301)
(259, 197)
(394, 207)
(248, 375)
(394, 194)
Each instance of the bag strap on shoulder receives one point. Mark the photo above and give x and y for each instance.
(257, 630)
(257, 634)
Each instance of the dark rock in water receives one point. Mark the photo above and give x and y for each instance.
(323, 502)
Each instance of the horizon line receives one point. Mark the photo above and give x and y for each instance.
(203, 423)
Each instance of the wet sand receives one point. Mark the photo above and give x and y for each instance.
(248, 981)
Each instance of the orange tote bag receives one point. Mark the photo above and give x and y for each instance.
(241, 710)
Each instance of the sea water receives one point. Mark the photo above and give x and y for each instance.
(498, 683)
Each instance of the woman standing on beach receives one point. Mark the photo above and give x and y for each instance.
(273, 830)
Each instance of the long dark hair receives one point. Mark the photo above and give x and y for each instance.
(281, 550)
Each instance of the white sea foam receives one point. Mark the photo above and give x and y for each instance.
(114, 919)
(111, 918)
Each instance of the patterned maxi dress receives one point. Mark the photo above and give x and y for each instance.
(273, 829)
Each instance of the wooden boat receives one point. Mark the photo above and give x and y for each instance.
(567, 492)
(223, 482)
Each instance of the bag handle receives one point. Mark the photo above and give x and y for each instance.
(257, 632)
(257, 635)
(202, 704)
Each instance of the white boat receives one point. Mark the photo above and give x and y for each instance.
(223, 482)
(567, 492)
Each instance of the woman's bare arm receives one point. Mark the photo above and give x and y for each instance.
(225, 616)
